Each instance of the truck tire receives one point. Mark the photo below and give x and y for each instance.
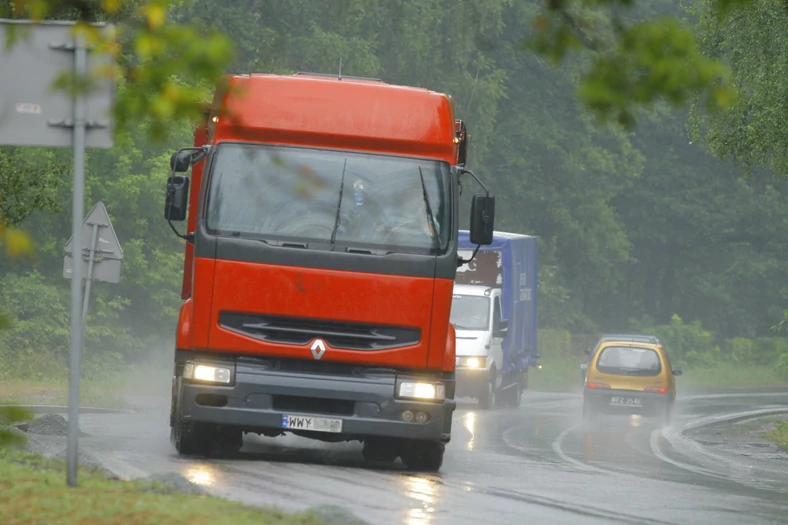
(227, 440)
(487, 399)
(380, 450)
(423, 456)
(191, 439)
(512, 395)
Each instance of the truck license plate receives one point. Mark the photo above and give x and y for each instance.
(625, 401)
(317, 424)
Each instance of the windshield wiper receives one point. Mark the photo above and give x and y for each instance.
(339, 207)
(430, 218)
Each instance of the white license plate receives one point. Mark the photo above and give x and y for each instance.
(317, 424)
(616, 400)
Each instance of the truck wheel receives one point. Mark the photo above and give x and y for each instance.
(487, 396)
(380, 450)
(513, 394)
(423, 456)
(227, 440)
(191, 439)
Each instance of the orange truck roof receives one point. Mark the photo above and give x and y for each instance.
(322, 111)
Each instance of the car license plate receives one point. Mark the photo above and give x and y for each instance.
(317, 424)
(617, 400)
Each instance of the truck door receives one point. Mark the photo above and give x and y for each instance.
(496, 349)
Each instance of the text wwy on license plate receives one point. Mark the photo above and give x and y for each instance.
(316, 424)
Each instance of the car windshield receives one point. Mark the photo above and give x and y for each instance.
(470, 312)
(330, 198)
(629, 360)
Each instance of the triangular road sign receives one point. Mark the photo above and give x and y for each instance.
(107, 244)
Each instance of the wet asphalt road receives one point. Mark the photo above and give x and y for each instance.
(538, 465)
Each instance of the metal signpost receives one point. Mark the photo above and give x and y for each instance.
(102, 255)
(33, 114)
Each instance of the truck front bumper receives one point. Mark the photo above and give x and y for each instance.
(263, 391)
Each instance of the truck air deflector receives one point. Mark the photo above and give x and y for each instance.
(338, 334)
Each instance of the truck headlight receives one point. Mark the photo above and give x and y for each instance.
(208, 373)
(421, 391)
(472, 362)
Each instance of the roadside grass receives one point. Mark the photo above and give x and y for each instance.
(151, 378)
(558, 374)
(33, 491)
(725, 375)
(101, 394)
(779, 434)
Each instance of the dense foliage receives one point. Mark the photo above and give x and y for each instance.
(753, 41)
(636, 226)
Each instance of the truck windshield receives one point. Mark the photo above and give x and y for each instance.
(470, 312)
(329, 197)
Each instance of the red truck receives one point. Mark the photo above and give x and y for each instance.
(320, 260)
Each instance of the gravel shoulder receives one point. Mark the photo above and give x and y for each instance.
(747, 438)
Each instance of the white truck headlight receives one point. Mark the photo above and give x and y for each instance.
(421, 391)
(472, 362)
(208, 373)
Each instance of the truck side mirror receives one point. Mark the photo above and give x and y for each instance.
(502, 328)
(587, 351)
(584, 367)
(181, 161)
(482, 219)
(177, 200)
(677, 372)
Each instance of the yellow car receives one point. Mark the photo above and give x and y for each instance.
(629, 374)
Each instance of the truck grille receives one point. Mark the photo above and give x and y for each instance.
(299, 331)
(313, 405)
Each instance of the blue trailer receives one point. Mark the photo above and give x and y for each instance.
(503, 345)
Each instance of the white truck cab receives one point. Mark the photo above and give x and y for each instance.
(476, 314)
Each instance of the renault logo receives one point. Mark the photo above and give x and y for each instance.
(318, 348)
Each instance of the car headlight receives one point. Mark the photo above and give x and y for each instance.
(421, 391)
(208, 373)
(472, 362)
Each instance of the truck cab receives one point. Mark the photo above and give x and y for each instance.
(480, 329)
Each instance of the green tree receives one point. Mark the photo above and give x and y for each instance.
(753, 42)
(634, 60)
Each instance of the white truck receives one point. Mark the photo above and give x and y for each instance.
(494, 315)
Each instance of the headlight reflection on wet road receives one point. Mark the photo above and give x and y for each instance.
(203, 475)
(469, 422)
(425, 491)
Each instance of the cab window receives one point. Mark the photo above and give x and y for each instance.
(629, 360)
